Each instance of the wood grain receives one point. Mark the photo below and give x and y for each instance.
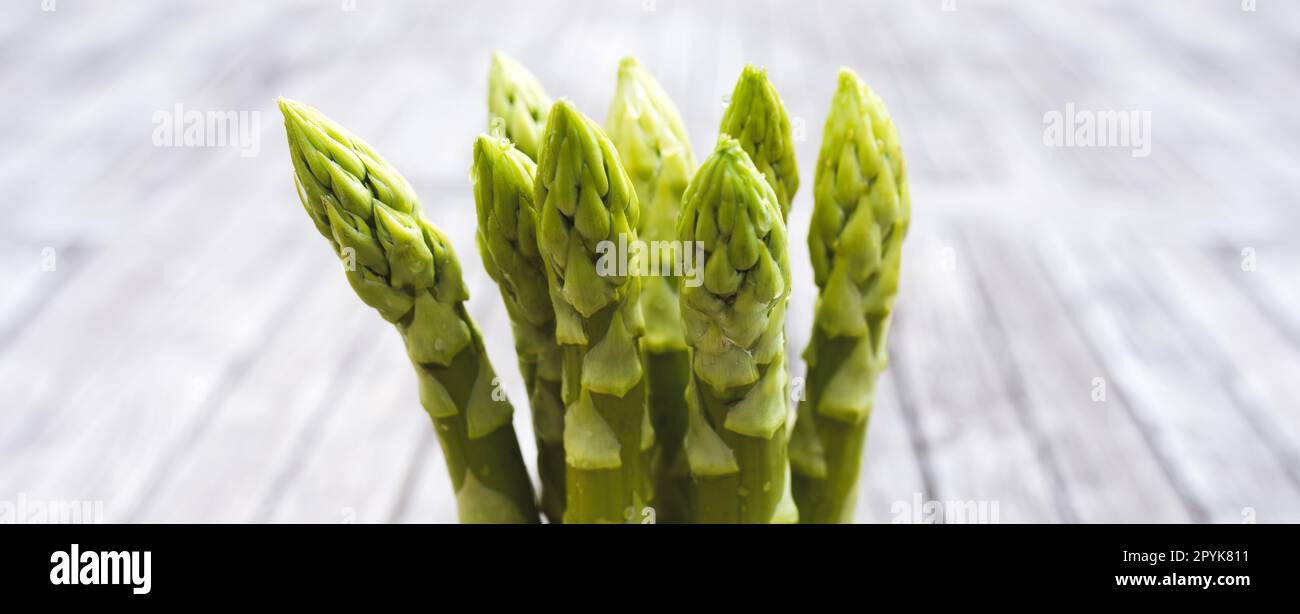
(195, 354)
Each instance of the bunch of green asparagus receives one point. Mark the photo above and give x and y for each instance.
(647, 296)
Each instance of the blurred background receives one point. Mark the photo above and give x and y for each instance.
(1090, 330)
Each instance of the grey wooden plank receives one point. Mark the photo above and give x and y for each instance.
(891, 472)
(162, 63)
(427, 496)
(149, 439)
(35, 275)
(701, 105)
(76, 38)
(350, 465)
(128, 404)
(976, 445)
(1273, 284)
(293, 384)
(1196, 130)
(1216, 458)
(674, 65)
(1104, 468)
(1239, 345)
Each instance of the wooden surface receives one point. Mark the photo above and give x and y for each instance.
(195, 354)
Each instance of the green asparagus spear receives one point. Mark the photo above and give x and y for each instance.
(403, 266)
(736, 397)
(861, 213)
(756, 118)
(652, 143)
(517, 104)
(589, 212)
(507, 240)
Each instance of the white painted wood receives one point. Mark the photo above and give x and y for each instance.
(294, 386)
(890, 473)
(1274, 284)
(170, 368)
(977, 447)
(352, 466)
(1239, 345)
(1103, 467)
(139, 328)
(1215, 455)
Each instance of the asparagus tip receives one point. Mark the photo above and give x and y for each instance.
(753, 73)
(728, 146)
(484, 144)
(289, 108)
(628, 64)
(847, 76)
(564, 111)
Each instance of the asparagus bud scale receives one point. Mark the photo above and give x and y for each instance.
(517, 104)
(860, 216)
(507, 239)
(736, 430)
(588, 205)
(403, 266)
(757, 119)
(645, 127)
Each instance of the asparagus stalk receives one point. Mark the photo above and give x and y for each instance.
(403, 266)
(589, 214)
(507, 239)
(647, 131)
(517, 104)
(756, 118)
(735, 437)
(861, 212)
